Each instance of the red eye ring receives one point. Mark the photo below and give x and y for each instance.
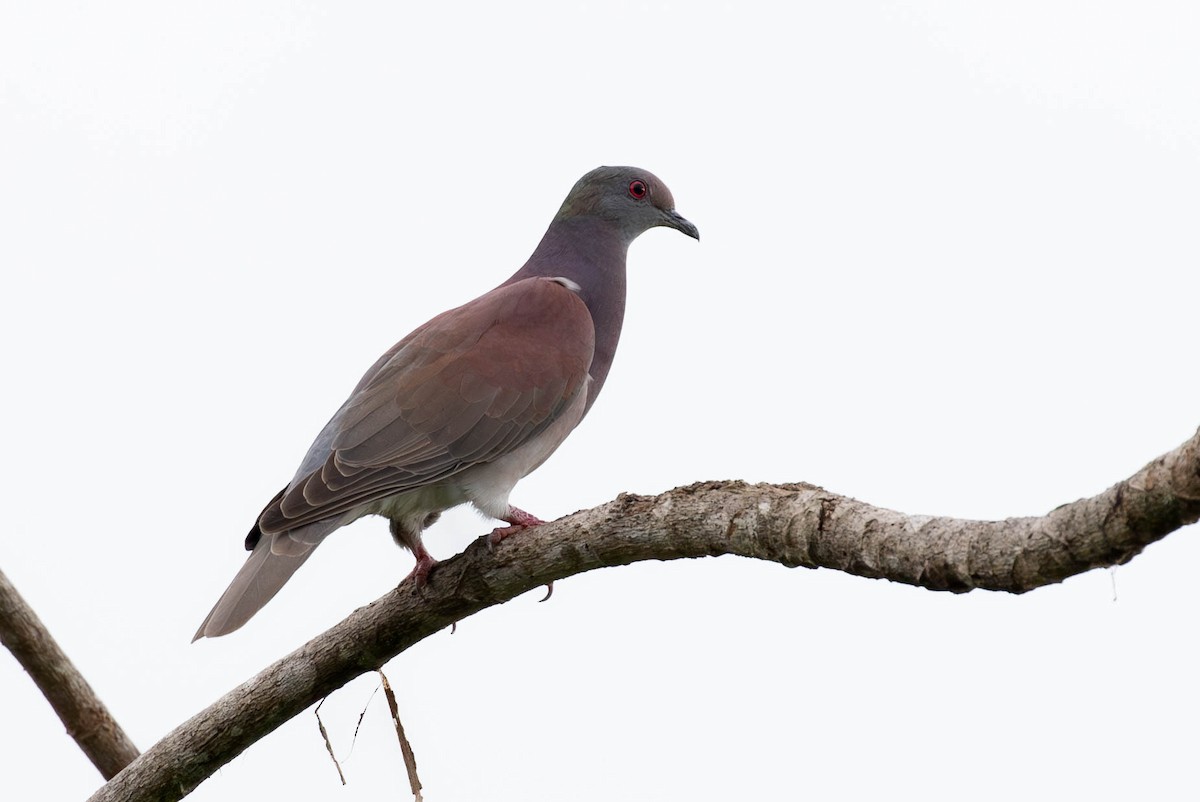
(638, 189)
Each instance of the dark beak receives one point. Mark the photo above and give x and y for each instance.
(675, 220)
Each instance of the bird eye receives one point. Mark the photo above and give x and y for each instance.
(638, 189)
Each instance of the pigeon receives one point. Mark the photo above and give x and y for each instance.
(470, 402)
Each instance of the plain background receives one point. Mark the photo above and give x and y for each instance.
(948, 266)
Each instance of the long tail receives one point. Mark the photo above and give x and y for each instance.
(263, 574)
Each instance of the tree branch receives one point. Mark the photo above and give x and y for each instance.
(793, 524)
(86, 718)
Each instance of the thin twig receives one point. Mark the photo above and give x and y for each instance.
(361, 716)
(328, 745)
(410, 760)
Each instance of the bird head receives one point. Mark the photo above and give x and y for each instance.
(632, 199)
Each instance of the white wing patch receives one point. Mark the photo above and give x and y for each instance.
(566, 282)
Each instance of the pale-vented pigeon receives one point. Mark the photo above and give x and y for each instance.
(469, 403)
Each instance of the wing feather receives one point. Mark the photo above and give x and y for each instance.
(468, 387)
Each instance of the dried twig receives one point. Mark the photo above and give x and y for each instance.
(410, 760)
(328, 745)
(361, 716)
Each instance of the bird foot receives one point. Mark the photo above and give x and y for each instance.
(518, 520)
(420, 572)
(501, 532)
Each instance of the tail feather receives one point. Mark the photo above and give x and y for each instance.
(260, 578)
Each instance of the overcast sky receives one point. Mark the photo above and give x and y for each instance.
(948, 265)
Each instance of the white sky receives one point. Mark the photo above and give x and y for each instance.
(948, 266)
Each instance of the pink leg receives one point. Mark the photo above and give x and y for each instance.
(412, 541)
(420, 571)
(518, 520)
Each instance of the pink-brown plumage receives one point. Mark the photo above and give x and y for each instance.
(469, 403)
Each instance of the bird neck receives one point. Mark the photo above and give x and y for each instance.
(591, 252)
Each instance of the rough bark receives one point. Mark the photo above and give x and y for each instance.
(794, 524)
(86, 718)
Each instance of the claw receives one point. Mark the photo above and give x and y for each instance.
(549, 592)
